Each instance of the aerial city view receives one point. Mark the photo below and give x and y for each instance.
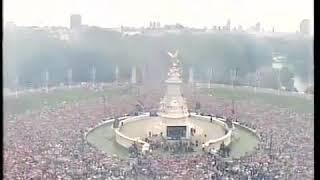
(141, 90)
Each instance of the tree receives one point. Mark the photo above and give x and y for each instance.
(29, 52)
(310, 90)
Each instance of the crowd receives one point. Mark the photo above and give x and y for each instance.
(49, 144)
(286, 142)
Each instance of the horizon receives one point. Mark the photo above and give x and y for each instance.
(205, 13)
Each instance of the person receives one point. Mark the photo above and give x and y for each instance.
(211, 118)
(222, 148)
(116, 123)
(212, 151)
(227, 149)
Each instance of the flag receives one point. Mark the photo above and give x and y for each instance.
(232, 110)
(69, 76)
(117, 73)
(17, 81)
(211, 74)
(47, 76)
(93, 74)
(236, 73)
(258, 78)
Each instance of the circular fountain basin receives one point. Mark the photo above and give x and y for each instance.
(104, 137)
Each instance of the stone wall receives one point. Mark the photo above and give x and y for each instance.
(124, 140)
(215, 143)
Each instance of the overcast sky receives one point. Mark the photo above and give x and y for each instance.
(284, 15)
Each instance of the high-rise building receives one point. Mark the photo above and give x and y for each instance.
(75, 21)
(305, 26)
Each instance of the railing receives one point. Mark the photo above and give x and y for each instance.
(262, 90)
(11, 92)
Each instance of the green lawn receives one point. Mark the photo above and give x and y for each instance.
(298, 104)
(37, 100)
(34, 101)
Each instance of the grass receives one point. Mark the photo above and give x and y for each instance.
(37, 101)
(299, 104)
(26, 102)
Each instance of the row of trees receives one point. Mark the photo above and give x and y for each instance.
(29, 53)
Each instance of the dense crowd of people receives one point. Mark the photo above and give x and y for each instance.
(50, 144)
(286, 136)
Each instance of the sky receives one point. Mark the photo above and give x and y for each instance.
(283, 15)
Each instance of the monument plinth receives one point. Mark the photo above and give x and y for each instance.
(173, 107)
(174, 123)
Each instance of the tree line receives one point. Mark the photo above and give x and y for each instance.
(29, 53)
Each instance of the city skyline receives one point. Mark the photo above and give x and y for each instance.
(284, 16)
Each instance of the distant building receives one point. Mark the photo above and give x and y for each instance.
(228, 26)
(60, 33)
(179, 26)
(10, 25)
(258, 27)
(240, 28)
(214, 28)
(305, 26)
(75, 21)
(154, 25)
